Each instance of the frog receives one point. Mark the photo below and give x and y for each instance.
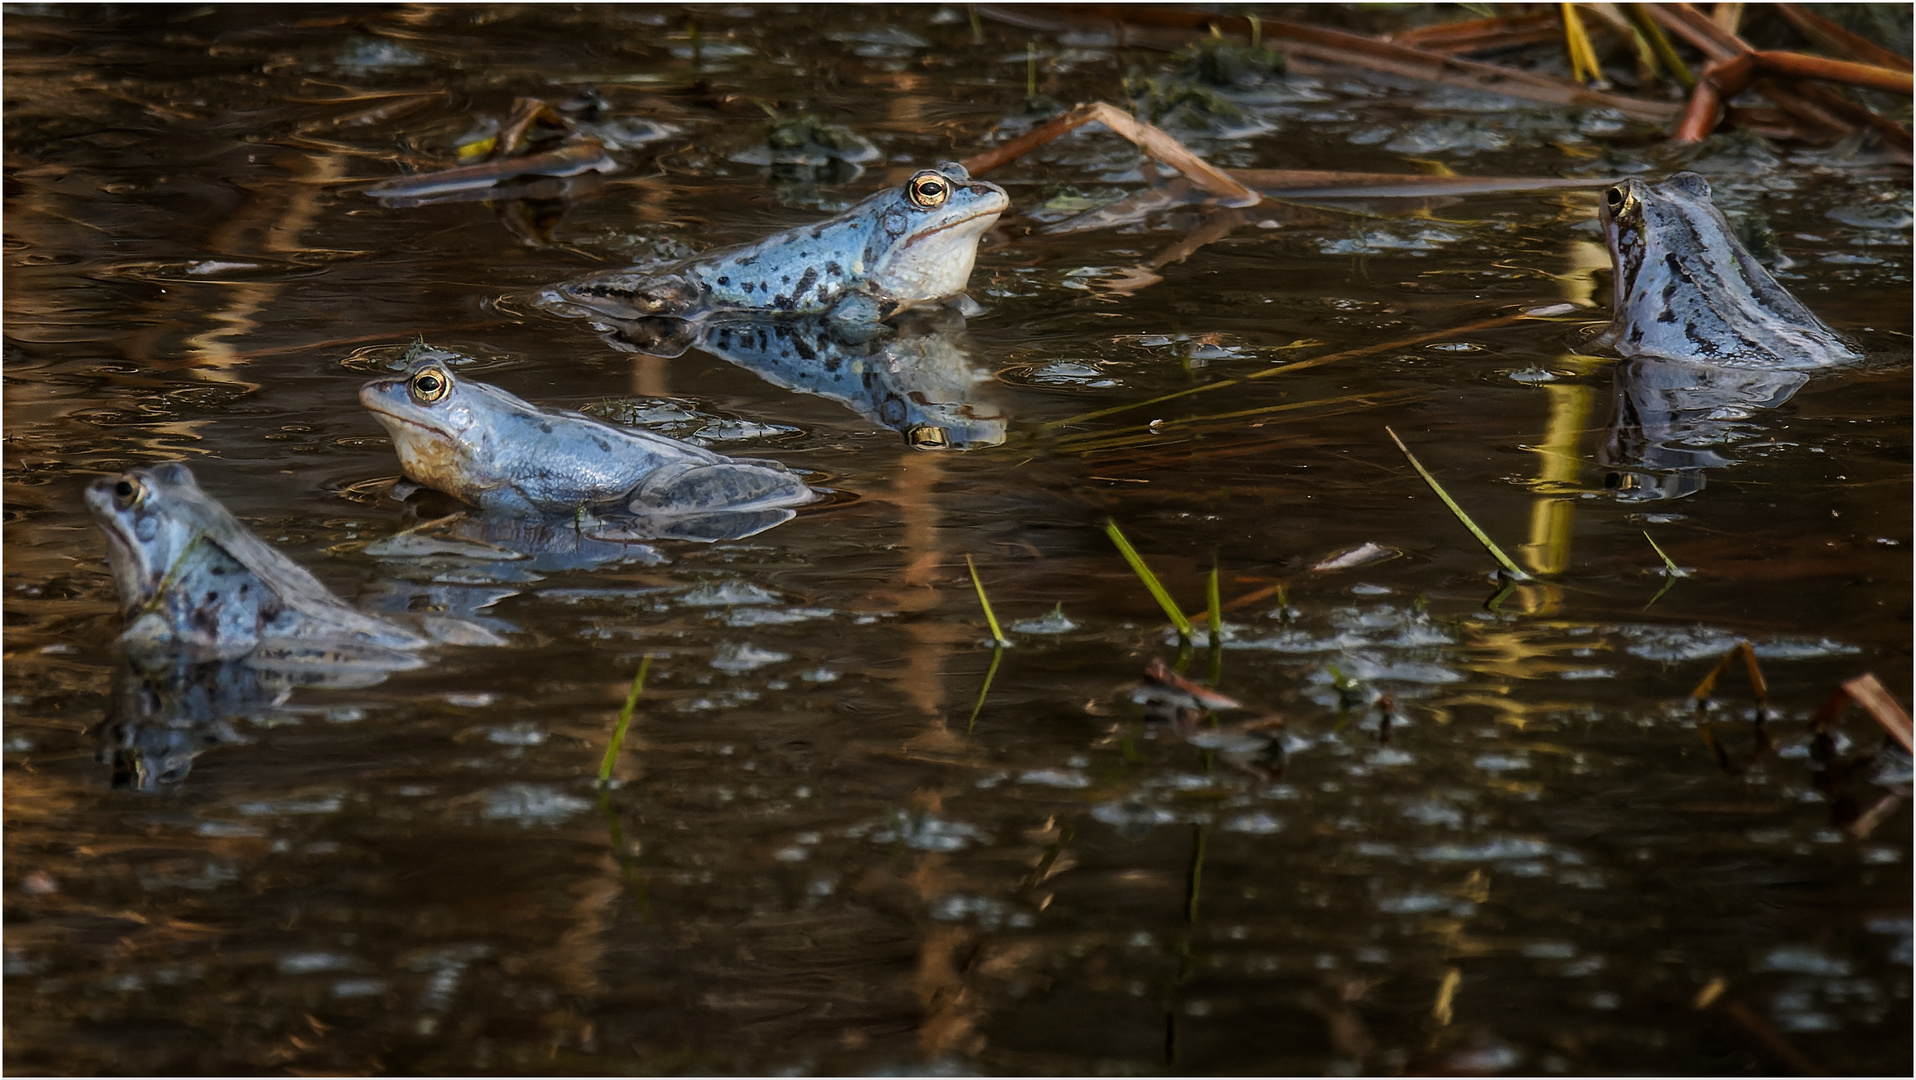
(197, 585)
(917, 378)
(1686, 289)
(493, 450)
(906, 246)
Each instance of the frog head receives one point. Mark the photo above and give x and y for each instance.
(152, 516)
(926, 234)
(443, 430)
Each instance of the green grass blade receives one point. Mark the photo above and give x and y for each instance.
(1214, 608)
(1671, 568)
(1185, 629)
(1494, 605)
(997, 635)
(991, 673)
(634, 880)
(1511, 569)
(1195, 877)
(1669, 582)
(625, 720)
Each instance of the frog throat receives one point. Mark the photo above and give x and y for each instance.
(169, 579)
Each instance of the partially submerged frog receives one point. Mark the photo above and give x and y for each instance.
(492, 450)
(1686, 289)
(197, 584)
(902, 247)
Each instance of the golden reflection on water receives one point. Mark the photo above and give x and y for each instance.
(1548, 550)
(272, 222)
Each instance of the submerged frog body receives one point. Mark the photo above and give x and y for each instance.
(901, 247)
(1686, 289)
(918, 380)
(196, 583)
(488, 448)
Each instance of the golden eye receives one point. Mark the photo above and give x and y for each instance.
(929, 190)
(928, 438)
(429, 386)
(1617, 199)
(128, 493)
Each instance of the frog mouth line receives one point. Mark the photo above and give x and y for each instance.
(928, 234)
(408, 421)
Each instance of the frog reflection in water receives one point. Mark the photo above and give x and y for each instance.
(917, 379)
(196, 585)
(1707, 336)
(165, 713)
(489, 449)
(900, 248)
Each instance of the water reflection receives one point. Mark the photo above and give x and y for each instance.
(1672, 416)
(163, 715)
(435, 526)
(918, 378)
(457, 562)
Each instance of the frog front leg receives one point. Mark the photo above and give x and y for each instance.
(859, 309)
(627, 295)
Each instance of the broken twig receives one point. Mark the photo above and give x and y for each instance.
(1865, 690)
(1758, 687)
(1151, 140)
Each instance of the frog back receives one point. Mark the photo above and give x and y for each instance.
(552, 462)
(232, 595)
(806, 270)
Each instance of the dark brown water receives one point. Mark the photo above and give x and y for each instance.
(822, 854)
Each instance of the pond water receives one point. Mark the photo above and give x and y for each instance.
(825, 851)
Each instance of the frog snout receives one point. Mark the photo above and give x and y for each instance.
(377, 391)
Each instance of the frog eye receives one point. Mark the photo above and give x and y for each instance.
(1617, 199)
(928, 190)
(928, 438)
(128, 493)
(429, 386)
